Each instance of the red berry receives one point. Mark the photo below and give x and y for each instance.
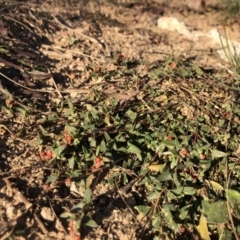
(194, 175)
(173, 65)
(98, 162)
(97, 69)
(70, 226)
(120, 56)
(69, 139)
(46, 187)
(228, 115)
(10, 102)
(77, 237)
(182, 229)
(49, 155)
(184, 152)
(43, 154)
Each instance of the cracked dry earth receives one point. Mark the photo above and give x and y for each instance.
(70, 36)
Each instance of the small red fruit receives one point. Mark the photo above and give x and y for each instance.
(120, 56)
(184, 152)
(43, 154)
(70, 226)
(97, 69)
(182, 229)
(69, 139)
(77, 237)
(194, 175)
(10, 102)
(173, 65)
(49, 155)
(169, 138)
(46, 187)
(98, 162)
(228, 115)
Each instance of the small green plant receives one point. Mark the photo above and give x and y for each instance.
(177, 140)
(77, 216)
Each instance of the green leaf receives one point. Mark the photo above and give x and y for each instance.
(156, 223)
(153, 195)
(22, 111)
(66, 215)
(169, 219)
(94, 113)
(78, 206)
(103, 147)
(177, 191)
(215, 186)
(189, 190)
(157, 167)
(133, 149)
(85, 151)
(216, 212)
(183, 215)
(44, 132)
(143, 209)
(87, 196)
(71, 106)
(171, 143)
(71, 162)
(223, 232)
(203, 229)
(71, 130)
(233, 197)
(165, 176)
(97, 150)
(184, 212)
(106, 120)
(41, 121)
(139, 156)
(52, 178)
(3, 50)
(57, 151)
(52, 118)
(132, 115)
(107, 136)
(218, 154)
(87, 221)
(205, 128)
(74, 174)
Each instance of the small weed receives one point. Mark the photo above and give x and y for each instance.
(230, 52)
(178, 142)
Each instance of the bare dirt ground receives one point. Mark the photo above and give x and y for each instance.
(65, 38)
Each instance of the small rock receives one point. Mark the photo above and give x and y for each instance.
(173, 24)
(11, 212)
(47, 214)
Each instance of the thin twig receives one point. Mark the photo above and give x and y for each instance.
(67, 51)
(57, 218)
(40, 224)
(55, 85)
(46, 91)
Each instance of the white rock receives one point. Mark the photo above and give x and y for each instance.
(47, 214)
(173, 24)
